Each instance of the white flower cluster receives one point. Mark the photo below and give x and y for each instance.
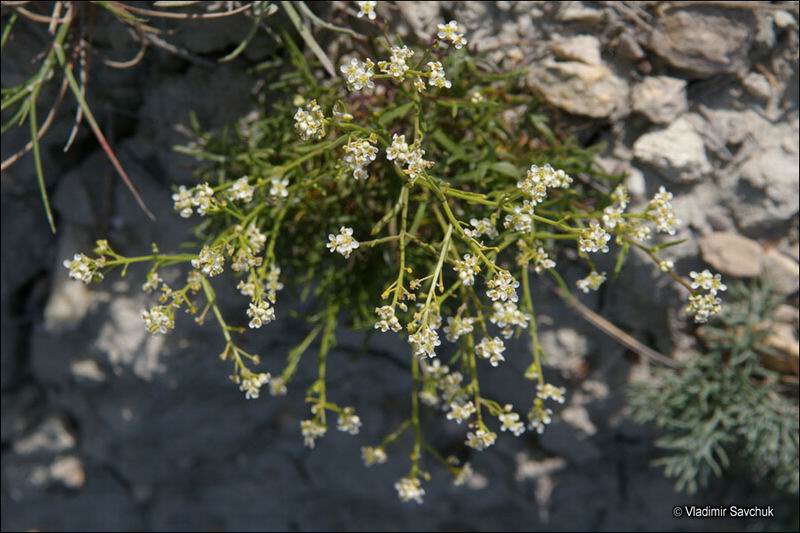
(481, 439)
(436, 76)
(349, 421)
(480, 228)
(466, 269)
(310, 122)
(502, 287)
(410, 489)
(387, 319)
(662, 211)
(539, 416)
(397, 66)
(357, 155)
(491, 349)
(551, 392)
(312, 430)
(510, 421)
(457, 326)
(460, 412)
(507, 316)
(85, 269)
(159, 319)
(520, 218)
(279, 188)
(704, 306)
(409, 157)
(373, 455)
(210, 261)
(424, 341)
(260, 312)
(344, 243)
(251, 384)
(612, 215)
(594, 239)
(366, 8)
(592, 282)
(541, 260)
(358, 75)
(241, 190)
(201, 198)
(451, 33)
(540, 179)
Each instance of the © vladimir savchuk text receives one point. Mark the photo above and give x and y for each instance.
(729, 511)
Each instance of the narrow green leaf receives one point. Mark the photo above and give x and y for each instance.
(395, 113)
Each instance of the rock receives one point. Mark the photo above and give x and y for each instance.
(783, 353)
(767, 188)
(781, 272)
(704, 40)
(629, 48)
(676, 152)
(87, 370)
(67, 471)
(660, 98)
(578, 12)
(783, 19)
(580, 89)
(787, 314)
(731, 254)
(758, 85)
(51, 436)
(583, 48)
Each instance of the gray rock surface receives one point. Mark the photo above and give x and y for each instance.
(104, 427)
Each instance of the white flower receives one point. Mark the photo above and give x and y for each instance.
(273, 282)
(539, 179)
(541, 260)
(358, 75)
(344, 243)
(158, 319)
(210, 261)
(397, 66)
(424, 341)
(612, 217)
(519, 220)
(551, 392)
(708, 282)
(410, 489)
(620, 197)
(703, 307)
(594, 239)
(260, 313)
(503, 287)
(183, 201)
(277, 387)
(458, 326)
(241, 190)
(481, 439)
(437, 76)
(312, 430)
(666, 265)
(451, 32)
(398, 151)
(507, 315)
(465, 473)
(660, 208)
(467, 268)
(367, 9)
(491, 349)
(482, 227)
(373, 455)
(152, 283)
(349, 421)
(538, 417)
(83, 268)
(510, 421)
(279, 188)
(387, 319)
(252, 383)
(203, 198)
(310, 122)
(358, 154)
(461, 411)
(591, 282)
(416, 164)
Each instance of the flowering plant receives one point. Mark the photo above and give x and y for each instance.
(356, 189)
